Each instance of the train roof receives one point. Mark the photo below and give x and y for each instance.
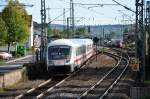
(71, 42)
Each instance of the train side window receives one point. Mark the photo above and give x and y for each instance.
(88, 47)
(78, 51)
(84, 48)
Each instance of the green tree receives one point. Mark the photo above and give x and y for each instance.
(3, 31)
(81, 31)
(17, 22)
(65, 33)
(55, 33)
(49, 30)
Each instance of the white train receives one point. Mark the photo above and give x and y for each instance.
(116, 43)
(65, 55)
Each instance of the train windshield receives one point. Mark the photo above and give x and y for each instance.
(58, 52)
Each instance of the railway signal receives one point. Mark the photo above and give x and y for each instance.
(135, 65)
(95, 40)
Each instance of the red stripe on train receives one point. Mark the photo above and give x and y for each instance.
(83, 56)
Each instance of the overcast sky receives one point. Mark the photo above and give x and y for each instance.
(83, 15)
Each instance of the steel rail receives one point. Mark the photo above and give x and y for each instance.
(88, 90)
(44, 83)
(73, 73)
(48, 81)
(33, 89)
(116, 81)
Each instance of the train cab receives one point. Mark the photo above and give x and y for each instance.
(64, 55)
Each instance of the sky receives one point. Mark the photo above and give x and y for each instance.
(83, 15)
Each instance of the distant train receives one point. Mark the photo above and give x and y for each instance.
(116, 43)
(65, 55)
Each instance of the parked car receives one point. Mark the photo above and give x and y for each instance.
(5, 55)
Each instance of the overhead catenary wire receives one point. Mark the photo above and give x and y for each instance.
(124, 6)
(59, 16)
(87, 6)
(129, 17)
(82, 5)
(98, 5)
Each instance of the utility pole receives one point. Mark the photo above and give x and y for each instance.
(124, 6)
(68, 29)
(103, 39)
(140, 39)
(64, 18)
(43, 31)
(72, 17)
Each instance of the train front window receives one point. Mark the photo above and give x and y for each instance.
(58, 52)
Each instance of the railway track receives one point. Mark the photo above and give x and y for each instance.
(50, 83)
(82, 84)
(101, 89)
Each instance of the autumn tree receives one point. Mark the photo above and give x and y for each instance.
(17, 22)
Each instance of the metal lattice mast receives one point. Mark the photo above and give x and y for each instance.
(140, 38)
(43, 30)
(148, 25)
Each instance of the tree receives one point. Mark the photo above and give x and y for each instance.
(65, 33)
(3, 31)
(80, 31)
(55, 33)
(49, 30)
(17, 22)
